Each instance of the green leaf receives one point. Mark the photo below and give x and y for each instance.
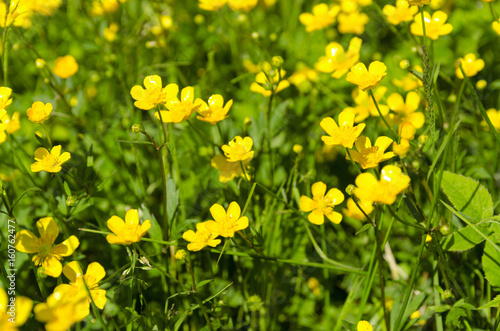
(364, 228)
(467, 196)
(172, 199)
(493, 303)
(440, 309)
(67, 190)
(465, 238)
(454, 315)
(491, 261)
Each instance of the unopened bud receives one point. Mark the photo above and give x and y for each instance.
(481, 84)
(297, 148)
(40, 63)
(247, 121)
(136, 128)
(350, 189)
(180, 254)
(70, 201)
(404, 64)
(277, 61)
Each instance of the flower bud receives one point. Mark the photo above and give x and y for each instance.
(199, 19)
(70, 201)
(40, 63)
(481, 84)
(180, 254)
(404, 64)
(136, 128)
(297, 148)
(247, 121)
(350, 189)
(277, 61)
(166, 21)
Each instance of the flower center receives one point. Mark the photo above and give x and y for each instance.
(44, 252)
(50, 161)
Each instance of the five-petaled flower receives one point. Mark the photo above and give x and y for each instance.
(353, 210)
(80, 282)
(369, 156)
(21, 306)
(435, 26)
(322, 205)
(405, 111)
(178, 110)
(226, 224)
(214, 111)
(391, 183)
(470, 65)
(39, 112)
(128, 231)
(367, 79)
(239, 149)
(321, 17)
(65, 66)
(229, 170)
(201, 238)
(273, 81)
(344, 133)
(337, 61)
(49, 161)
(402, 12)
(153, 95)
(48, 256)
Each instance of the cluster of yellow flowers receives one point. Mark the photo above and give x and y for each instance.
(236, 5)
(8, 124)
(21, 12)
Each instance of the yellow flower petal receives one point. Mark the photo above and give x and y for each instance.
(52, 267)
(316, 217)
(318, 190)
(306, 204)
(335, 217)
(72, 271)
(27, 242)
(67, 247)
(218, 213)
(132, 217)
(48, 229)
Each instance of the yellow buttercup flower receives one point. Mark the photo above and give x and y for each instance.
(435, 26)
(21, 308)
(20, 13)
(352, 22)
(128, 231)
(11, 124)
(244, 5)
(153, 95)
(180, 254)
(49, 161)
(409, 82)
(391, 183)
(48, 256)
(239, 149)
(367, 79)
(5, 99)
(402, 12)
(407, 130)
(214, 111)
(365, 106)
(494, 116)
(211, 4)
(496, 26)
(65, 66)
(349, 6)
(369, 156)
(101, 7)
(275, 82)
(226, 223)
(419, 2)
(402, 148)
(39, 112)
(303, 76)
(470, 64)
(95, 272)
(178, 109)
(201, 238)
(364, 326)
(405, 111)
(321, 17)
(322, 204)
(228, 170)
(109, 33)
(354, 211)
(337, 61)
(345, 133)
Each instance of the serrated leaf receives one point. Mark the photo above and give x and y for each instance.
(468, 196)
(454, 315)
(493, 303)
(363, 229)
(464, 239)
(491, 262)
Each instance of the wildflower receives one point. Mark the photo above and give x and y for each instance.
(428, 239)
(101, 7)
(416, 313)
(407, 130)
(150, 97)
(337, 61)
(418, 2)
(239, 149)
(345, 133)
(244, 5)
(364, 326)
(201, 238)
(48, 256)
(166, 22)
(5, 99)
(403, 12)
(109, 33)
(364, 104)
(50, 162)
(313, 284)
(12, 124)
(470, 64)
(434, 26)
(369, 156)
(228, 170)
(367, 79)
(3, 134)
(22, 308)
(297, 148)
(275, 82)
(180, 254)
(79, 282)
(402, 148)
(65, 66)
(321, 17)
(349, 6)
(405, 111)
(496, 26)
(178, 110)
(391, 183)
(352, 22)
(409, 82)
(322, 205)
(303, 76)
(481, 84)
(39, 112)
(211, 5)
(128, 232)
(214, 111)
(354, 211)
(19, 14)
(494, 116)
(226, 224)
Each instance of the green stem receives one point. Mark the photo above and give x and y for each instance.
(352, 161)
(378, 239)
(395, 135)
(201, 134)
(163, 179)
(269, 137)
(5, 48)
(423, 26)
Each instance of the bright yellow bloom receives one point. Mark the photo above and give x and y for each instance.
(352, 22)
(496, 26)
(3, 134)
(211, 4)
(354, 211)
(109, 33)
(344, 133)
(5, 99)
(367, 79)
(214, 111)
(274, 84)
(152, 96)
(437, 4)
(337, 61)
(239, 149)
(470, 64)
(407, 130)
(128, 232)
(201, 238)
(418, 2)
(365, 106)
(39, 112)
(391, 183)
(178, 110)
(416, 313)
(13, 314)
(409, 82)
(244, 5)
(65, 66)
(228, 170)
(101, 7)
(226, 224)
(48, 256)
(402, 148)
(12, 124)
(405, 111)
(302, 76)
(349, 6)
(403, 12)
(321, 17)
(494, 116)
(180, 254)
(49, 161)
(364, 326)
(435, 26)
(45, 7)
(20, 13)
(369, 156)
(95, 272)
(322, 205)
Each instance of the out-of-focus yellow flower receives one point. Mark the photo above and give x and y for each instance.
(402, 148)
(367, 79)
(354, 211)
(13, 314)
(402, 12)
(95, 272)
(435, 26)
(391, 183)
(365, 106)
(470, 64)
(428, 239)
(244, 5)
(364, 326)
(481, 84)
(349, 6)
(252, 67)
(494, 116)
(369, 156)
(178, 109)
(228, 170)
(409, 82)
(226, 224)
(49, 161)
(3, 134)
(405, 111)
(201, 238)
(276, 82)
(437, 4)
(45, 7)
(20, 13)
(337, 61)
(321, 17)
(211, 4)
(39, 112)
(65, 66)
(128, 232)
(101, 7)
(496, 26)
(322, 204)
(5, 99)
(345, 133)
(302, 75)
(214, 111)
(109, 33)
(352, 22)
(11, 124)
(407, 130)
(416, 313)
(48, 256)
(166, 22)
(239, 149)
(297, 149)
(313, 285)
(153, 95)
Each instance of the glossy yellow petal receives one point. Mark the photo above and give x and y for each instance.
(318, 190)
(335, 217)
(218, 213)
(64, 157)
(51, 266)
(171, 91)
(116, 224)
(138, 93)
(203, 106)
(132, 217)
(328, 124)
(189, 235)
(145, 226)
(216, 100)
(112, 239)
(214, 242)
(383, 142)
(316, 217)
(41, 153)
(194, 247)
(67, 247)
(233, 211)
(187, 94)
(56, 151)
(395, 101)
(95, 272)
(27, 242)
(23, 309)
(99, 297)
(212, 226)
(48, 229)
(153, 81)
(3, 301)
(72, 271)
(241, 224)
(306, 204)
(335, 196)
(346, 118)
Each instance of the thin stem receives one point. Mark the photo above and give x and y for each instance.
(47, 134)
(352, 161)
(248, 179)
(268, 123)
(163, 179)
(378, 238)
(395, 135)
(5, 48)
(423, 26)
(201, 134)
